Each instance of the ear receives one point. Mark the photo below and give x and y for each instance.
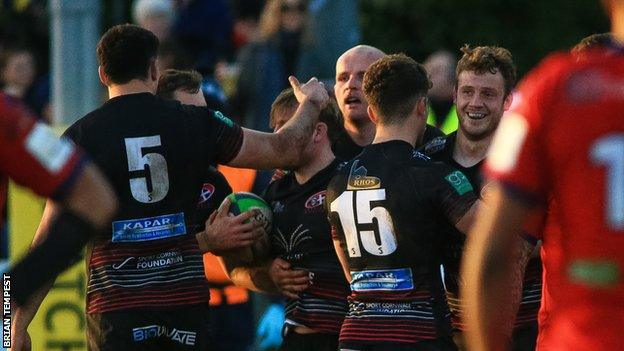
(455, 94)
(320, 132)
(421, 108)
(153, 70)
(508, 101)
(372, 115)
(103, 77)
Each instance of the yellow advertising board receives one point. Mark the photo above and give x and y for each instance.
(60, 322)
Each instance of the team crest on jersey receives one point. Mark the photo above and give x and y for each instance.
(358, 178)
(316, 200)
(206, 193)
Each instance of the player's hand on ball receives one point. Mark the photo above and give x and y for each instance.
(312, 90)
(290, 282)
(227, 232)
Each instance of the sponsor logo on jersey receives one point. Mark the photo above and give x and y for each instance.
(291, 245)
(225, 120)
(358, 178)
(52, 152)
(382, 280)
(151, 228)
(459, 181)
(206, 193)
(158, 331)
(316, 200)
(163, 259)
(594, 273)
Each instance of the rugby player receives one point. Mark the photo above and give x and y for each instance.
(385, 206)
(144, 273)
(566, 140)
(360, 130)
(303, 265)
(485, 77)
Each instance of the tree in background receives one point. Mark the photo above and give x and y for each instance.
(529, 29)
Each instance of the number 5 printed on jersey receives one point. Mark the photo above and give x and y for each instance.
(351, 217)
(149, 180)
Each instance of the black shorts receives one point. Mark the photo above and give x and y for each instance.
(524, 338)
(186, 328)
(440, 344)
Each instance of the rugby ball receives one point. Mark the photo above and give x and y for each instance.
(241, 202)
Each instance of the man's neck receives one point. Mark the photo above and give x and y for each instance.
(361, 133)
(403, 131)
(470, 152)
(134, 86)
(305, 173)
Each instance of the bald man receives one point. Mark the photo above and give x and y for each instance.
(360, 130)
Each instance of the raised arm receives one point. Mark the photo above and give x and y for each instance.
(283, 148)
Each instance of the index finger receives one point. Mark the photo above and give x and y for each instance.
(224, 208)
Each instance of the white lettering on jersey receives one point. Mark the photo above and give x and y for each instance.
(507, 143)
(51, 151)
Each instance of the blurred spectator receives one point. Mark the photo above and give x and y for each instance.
(156, 16)
(285, 47)
(442, 113)
(336, 24)
(204, 29)
(18, 70)
(246, 21)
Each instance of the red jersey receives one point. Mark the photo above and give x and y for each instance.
(32, 155)
(565, 139)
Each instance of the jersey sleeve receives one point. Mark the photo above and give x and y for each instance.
(219, 133)
(33, 156)
(451, 192)
(517, 154)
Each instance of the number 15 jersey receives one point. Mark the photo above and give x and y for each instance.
(384, 208)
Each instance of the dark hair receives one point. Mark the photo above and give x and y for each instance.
(393, 85)
(172, 79)
(491, 59)
(591, 41)
(330, 115)
(126, 51)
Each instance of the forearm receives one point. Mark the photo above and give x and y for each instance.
(253, 278)
(493, 268)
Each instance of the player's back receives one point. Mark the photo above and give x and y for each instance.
(156, 154)
(573, 106)
(384, 206)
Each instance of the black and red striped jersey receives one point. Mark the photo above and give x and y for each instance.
(441, 149)
(156, 154)
(385, 206)
(301, 235)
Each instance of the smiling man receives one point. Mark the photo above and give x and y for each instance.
(485, 77)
